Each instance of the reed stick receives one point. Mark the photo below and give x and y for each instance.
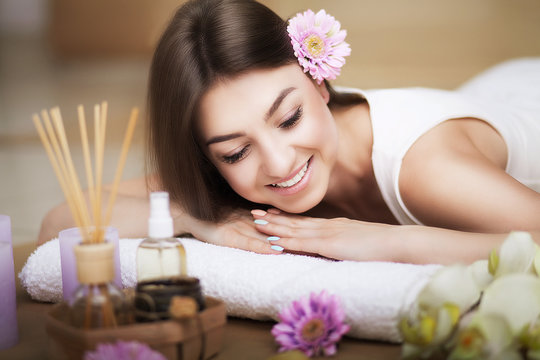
(87, 161)
(109, 319)
(70, 194)
(88, 310)
(121, 162)
(56, 167)
(98, 149)
(103, 119)
(77, 191)
(53, 136)
(69, 186)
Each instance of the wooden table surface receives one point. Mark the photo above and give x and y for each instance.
(243, 339)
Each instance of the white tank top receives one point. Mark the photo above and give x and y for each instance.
(400, 116)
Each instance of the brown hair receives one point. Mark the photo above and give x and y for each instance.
(205, 41)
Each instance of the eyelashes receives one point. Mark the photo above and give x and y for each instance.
(287, 124)
(231, 159)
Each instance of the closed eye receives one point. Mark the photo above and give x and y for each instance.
(287, 124)
(293, 120)
(231, 159)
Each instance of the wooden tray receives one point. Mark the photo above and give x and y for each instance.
(185, 340)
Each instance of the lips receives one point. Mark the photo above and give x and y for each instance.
(295, 183)
(295, 179)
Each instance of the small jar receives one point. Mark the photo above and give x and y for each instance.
(97, 302)
(153, 298)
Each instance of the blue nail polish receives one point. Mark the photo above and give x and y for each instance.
(260, 222)
(273, 238)
(276, 247)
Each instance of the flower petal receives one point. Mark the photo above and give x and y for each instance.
(516, 254)
(452, 284)
(516, 297)
(318, 43)
(480, 273)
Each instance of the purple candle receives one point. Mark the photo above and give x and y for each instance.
(68, 239)
(9, 333)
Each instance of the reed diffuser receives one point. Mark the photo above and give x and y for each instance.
(97, 302)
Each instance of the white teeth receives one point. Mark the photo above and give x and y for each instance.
(294, 180)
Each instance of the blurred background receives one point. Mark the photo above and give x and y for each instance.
(69, 52)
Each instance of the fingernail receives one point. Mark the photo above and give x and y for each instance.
(274, 211)
(258, 212)
(276, 247)
(273, 238)
(260, 222)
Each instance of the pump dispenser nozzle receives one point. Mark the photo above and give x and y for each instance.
(160, 224)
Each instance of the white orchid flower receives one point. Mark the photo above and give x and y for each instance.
(451, 292)
(453, 284)
(517, 254)
(480, 273)
(425, 335)
(516, 297)
(487, 336)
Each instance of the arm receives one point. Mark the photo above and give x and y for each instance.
(470, 203)
(456, 186)
(346, 239)
(130, 208)
(131, 211)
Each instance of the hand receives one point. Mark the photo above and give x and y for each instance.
(237, 231)
(339, 238)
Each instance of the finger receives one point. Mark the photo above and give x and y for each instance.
(252, 240)
(274, 211)
(253, 244)
(284, 218)
(311, 245)
(262, 247)
(286, 231)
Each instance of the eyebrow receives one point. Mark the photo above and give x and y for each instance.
(222, 138)
(275, 105)
(282, 95)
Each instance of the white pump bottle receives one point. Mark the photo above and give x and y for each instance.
(160, 256)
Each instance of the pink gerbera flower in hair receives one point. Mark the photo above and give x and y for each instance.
(313, 325)
(318, 44)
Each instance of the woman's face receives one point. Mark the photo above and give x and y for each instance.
(271, 136)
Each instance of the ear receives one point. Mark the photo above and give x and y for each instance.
(323, 91)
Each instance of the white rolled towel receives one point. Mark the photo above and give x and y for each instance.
(374, 295)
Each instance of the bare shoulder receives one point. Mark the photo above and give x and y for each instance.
(454, 177)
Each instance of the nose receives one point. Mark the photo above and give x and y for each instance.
(277, 159)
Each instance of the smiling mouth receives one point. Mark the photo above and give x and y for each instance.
(299, 176)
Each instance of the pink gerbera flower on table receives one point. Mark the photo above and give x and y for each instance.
(124, 350)
(312, 325)
(318, 44)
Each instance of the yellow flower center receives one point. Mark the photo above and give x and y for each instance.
(313, 329)
(314, 45)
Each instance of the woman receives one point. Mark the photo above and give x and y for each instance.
(236, 125)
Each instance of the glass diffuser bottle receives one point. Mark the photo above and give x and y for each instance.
(97, 302)
(160, 256)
